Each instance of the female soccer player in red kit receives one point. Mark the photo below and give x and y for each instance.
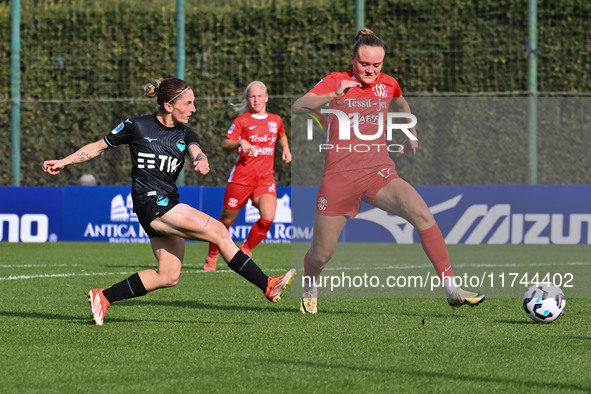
(350, 176)
(254, 134)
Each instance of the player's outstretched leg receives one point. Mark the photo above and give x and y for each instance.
(276, 285)
(271, 286)
(99, 305)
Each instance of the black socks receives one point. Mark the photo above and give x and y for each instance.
(245, 267)
(241, 264)
(128, 288)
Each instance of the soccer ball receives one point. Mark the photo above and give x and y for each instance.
(544, 302)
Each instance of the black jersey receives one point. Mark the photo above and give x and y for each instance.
(157, 155)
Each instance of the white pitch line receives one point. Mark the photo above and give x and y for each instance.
(66, 275)
(37, 265)
(45, 276)
(459, 266)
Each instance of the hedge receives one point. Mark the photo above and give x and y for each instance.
(84, 64)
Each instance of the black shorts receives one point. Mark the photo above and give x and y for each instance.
(153, 209)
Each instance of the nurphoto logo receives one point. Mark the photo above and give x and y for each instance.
(351, 121)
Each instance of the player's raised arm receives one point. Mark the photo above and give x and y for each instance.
(313, 101)
(229, 145)
(86, 153)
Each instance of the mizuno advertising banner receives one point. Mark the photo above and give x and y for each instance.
(495, 214)
(30, 214)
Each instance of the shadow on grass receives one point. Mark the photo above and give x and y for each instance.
(518, 322)
(220, 306)
(41, 315)
(192, 304)
(435, 315)
(577, 338)
(79, 319)
(151, 320)
(518, 383)
(131, 267)
(87, 320)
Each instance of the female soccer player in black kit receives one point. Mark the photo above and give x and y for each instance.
(158, 144)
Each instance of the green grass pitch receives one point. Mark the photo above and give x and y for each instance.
(215, 332)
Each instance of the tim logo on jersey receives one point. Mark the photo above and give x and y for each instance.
(162, 162)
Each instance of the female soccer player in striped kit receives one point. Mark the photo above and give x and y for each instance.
(158, 144)
(351, 176)
(253, 134)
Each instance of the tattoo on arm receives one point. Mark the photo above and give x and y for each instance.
(200, 156)
(82, 157)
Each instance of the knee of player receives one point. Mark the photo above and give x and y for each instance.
(319, 258)
(227, 222)
(268, 217)
(423, 217)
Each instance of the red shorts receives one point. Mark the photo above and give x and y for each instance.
(237, 195)
(341, 193)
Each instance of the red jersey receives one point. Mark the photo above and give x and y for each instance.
(367, 110)
(262, 131)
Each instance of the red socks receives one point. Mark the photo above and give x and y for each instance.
(435, 248)
(312, 271)
(213, 250)
(258, 232)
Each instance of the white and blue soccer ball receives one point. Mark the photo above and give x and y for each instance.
(544, 302)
